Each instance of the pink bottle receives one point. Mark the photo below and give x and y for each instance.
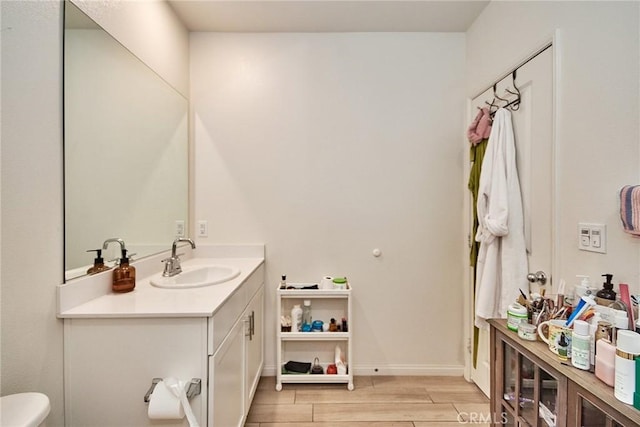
(605, 361)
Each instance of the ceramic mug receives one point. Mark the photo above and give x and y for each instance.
(550, 332)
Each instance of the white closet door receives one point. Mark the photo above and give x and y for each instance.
(533, 127)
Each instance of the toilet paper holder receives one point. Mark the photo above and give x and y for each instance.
(193, 389)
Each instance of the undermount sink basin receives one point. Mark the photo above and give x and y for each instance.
(197, 276)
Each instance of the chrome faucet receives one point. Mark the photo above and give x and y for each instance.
(114, 239)
(172, 264)
(122, 248)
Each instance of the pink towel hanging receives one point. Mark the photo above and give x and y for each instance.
(630, 209)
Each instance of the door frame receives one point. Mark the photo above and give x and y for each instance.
(555, 40)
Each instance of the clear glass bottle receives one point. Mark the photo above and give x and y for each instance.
(306, 312)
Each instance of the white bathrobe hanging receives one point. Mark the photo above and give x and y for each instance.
(502, 259)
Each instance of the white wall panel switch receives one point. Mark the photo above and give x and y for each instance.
(584, 237)
(203, 228)
(599, 238)
(592, 237)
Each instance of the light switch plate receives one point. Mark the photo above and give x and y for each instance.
(179, 228)
(584, 237)
(203, 228)
(592, 237)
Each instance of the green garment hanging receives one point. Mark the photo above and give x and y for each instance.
(476, 156)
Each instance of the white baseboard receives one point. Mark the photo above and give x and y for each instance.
(399, 370)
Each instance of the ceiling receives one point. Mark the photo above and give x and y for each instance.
(328, 15)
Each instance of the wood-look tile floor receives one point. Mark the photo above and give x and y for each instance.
(377, 401)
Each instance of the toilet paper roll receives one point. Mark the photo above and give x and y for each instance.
(164, 404)
(326, 282)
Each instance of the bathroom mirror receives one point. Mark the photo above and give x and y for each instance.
(125, 149)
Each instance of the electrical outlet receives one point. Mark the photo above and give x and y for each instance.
(179, 228)
(203, 228)
(592, 237)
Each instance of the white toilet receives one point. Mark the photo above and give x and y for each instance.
(24, 410)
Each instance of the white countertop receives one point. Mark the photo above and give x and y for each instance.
(150, 301)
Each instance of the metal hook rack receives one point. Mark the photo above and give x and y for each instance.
(513, 105)
(194, 388)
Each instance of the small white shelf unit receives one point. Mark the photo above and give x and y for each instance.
(306, 346)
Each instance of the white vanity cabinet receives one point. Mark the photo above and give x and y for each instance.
(110, 362)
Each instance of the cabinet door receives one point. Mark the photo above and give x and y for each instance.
(110, 364)
(527, 394)
(255, 345)
(226, 370)
(586, 410)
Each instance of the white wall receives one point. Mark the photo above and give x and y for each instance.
(31, 356)
(598, 139)
(31, 195)
(326, 146)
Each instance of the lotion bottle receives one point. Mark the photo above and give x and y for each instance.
(124, 275)
(580, 345)
(605, 361)
(593, 328)
(627, 349)
(296, 318)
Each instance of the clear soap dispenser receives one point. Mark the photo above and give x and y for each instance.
(98, 263)
(124, 276)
